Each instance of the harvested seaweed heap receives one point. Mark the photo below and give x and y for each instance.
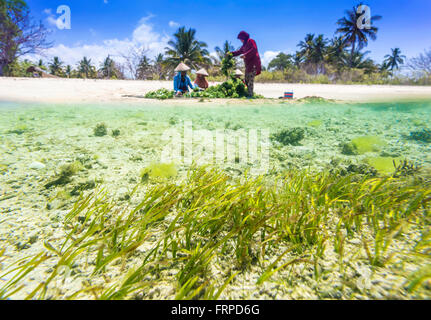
(161, 94)
(233, 88)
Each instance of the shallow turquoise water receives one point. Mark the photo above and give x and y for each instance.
(25, 128)
(37, 140)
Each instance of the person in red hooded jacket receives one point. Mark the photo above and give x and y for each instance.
(250, 54)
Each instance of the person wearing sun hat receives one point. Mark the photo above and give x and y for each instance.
(238, 75)
(200, 82)
(182, 81)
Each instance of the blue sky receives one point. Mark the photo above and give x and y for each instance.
(102, 27)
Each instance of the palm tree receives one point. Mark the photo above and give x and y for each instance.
(41, 65)
(221, 52)
(144, 68)
(158, 65)
(352, 34)
(359, 61)
(298, 59)
(85, 68)
(306, 46)
(318, 53)
(107, 68)
(336, 51)
(55, 67)
(392, 61)
(68, 71)
(187, 49)
(313, 50)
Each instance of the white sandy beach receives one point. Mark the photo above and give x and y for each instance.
(82, 91)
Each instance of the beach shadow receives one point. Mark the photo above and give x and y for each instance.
(133, 96)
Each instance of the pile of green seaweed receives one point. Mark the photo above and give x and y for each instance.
(233, 88)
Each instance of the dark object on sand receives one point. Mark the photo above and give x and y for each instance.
(64, 177)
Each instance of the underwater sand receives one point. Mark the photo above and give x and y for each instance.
(54, 135)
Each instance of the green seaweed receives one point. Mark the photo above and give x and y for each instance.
(418, 123)
(384, 165)
(159, 171)
(353, 168)
(116, 133)
(407, 168)
(186, 227)
(227, 64)
(315, 123)
(361, 145)
(161, 94)
(66, 172)
(100, 130)
(3, 168)
(19, 130)
(348, 149)
(315, 100)
(232, 88)
(289, 136)
(423, 136)
(83, 186)
(173, 121)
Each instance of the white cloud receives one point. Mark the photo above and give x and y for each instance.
(268, 56)
(214, 54)
(143, 37)
(174, 24)
(51, 19)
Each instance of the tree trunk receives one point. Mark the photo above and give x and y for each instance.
(2, 65)
(351, 55)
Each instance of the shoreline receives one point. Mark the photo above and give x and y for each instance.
(131, 91)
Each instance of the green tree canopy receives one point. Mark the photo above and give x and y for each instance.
(281, 62)
(86, 69)
(108, 69)
(395, 59)
(56, 67)
(313, 51)
(19, 35)
(186, 48)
